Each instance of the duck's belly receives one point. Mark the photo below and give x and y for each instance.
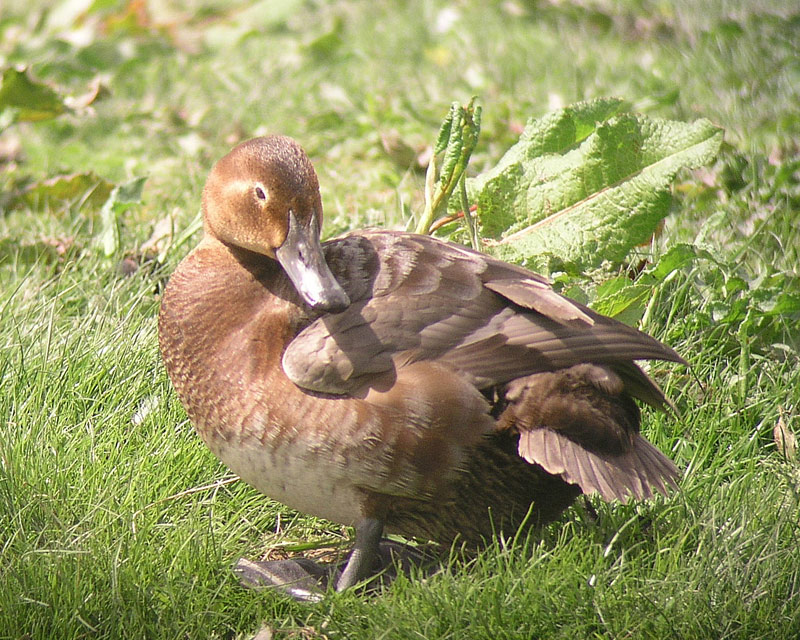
(300, 478)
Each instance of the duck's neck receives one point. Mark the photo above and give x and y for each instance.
(226, 301)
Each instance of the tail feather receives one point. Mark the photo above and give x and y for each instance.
(639, 472)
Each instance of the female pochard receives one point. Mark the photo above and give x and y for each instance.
(391, 381)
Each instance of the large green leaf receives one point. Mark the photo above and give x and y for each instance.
(501, 192)
(30, 99)
(586, 184)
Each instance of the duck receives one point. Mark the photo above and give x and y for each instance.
(394, 382)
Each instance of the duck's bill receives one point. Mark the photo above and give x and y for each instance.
(302, 259)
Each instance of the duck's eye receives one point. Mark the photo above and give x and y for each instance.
(260, 194)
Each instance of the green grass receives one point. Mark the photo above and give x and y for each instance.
(116, 522)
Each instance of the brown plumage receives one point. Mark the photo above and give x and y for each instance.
(395, 378)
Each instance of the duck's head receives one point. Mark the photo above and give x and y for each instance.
(264, 197)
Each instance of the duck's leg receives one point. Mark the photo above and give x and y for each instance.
(365, 558)
(305, 580)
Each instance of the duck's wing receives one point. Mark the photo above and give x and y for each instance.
(416, 298)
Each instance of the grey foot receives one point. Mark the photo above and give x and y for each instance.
(300, 578)
(307, 581)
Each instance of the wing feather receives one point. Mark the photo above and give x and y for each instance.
(639, 472)
(417, 298)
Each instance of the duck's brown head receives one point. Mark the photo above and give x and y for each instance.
(264, 197)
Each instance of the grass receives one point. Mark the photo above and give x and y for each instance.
(115, 522)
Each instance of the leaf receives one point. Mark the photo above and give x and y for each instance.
(402, 153)
(677, 257)
(95, 92)
(785, 440)
(500, 192)
(160, 239)
(623, 300)
(325, 45)
(568, 197)
(122, 198)
(42, 250)
(783, 304)
(30, 99)
(457, 138)
(88, 188)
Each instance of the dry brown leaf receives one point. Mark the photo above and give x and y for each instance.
(160, 238)
(97, 90)
(785, 440)
(264, 633)
(403, 153)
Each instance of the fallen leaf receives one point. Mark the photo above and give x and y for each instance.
(264, 633)
(88, 188)
(60, 244)
(46, 250)
(31, 99)
(403, 153)
(97, 90)
(161, 237)
(785, 440)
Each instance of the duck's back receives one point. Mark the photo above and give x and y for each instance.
(416, 298)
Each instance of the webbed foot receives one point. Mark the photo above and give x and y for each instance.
(307, 581)
(301, 578)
